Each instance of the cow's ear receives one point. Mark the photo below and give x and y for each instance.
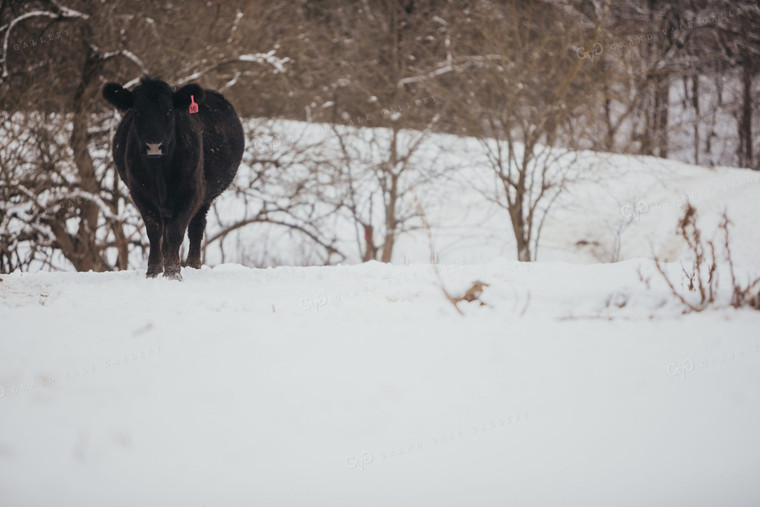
(182, 96)
(119, 97)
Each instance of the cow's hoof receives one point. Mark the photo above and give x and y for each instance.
(152, 273)
(173, 275)
(193, 263)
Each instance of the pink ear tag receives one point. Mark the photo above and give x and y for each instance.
(193, 105)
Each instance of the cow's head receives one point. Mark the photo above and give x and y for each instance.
(154, 105)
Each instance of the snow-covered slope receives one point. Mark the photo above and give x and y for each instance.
(621, 207)
(575, 385)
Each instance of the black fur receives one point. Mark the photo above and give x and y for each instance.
(174, 163)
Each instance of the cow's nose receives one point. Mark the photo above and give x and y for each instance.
(154, 149)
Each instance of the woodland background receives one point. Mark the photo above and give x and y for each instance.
(669, 79)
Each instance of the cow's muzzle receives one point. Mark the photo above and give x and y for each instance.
(154, 149)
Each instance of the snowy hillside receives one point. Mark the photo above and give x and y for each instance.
(621, 207)
(574, 384)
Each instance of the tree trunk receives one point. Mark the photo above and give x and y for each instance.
(88, 210)
(609, 138)
(523, 250)
(390, 221)
(662, 107)
(646, 134)
(81, 249)
(390, 207)
(520, 227)
(370, 251)
(745, 124)
(697, 120)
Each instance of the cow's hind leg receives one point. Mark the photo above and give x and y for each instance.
(195, 235)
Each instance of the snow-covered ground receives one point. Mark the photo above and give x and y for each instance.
(362, 385)
(574, 384)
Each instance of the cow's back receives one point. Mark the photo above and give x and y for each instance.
(223, 143)
(120, 143)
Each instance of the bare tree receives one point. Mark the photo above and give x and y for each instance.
(94, 230)
(379, 172)
(91, 223)
(290, 186)
(527, 93)
(383, 46)
(739, 40)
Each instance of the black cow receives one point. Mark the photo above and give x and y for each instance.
(176, 151)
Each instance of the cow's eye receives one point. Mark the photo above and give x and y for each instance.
(169, 112)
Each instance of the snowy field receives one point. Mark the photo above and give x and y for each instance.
(362, 385)
(573, 385)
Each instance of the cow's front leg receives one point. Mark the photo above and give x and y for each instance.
(155, 256)
(155, 229)
(173, 236)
